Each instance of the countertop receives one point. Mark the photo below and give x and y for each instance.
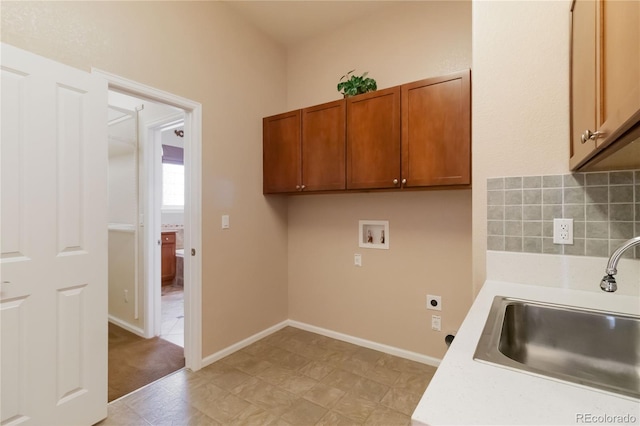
(468, 392)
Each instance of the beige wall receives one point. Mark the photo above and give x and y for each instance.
(201, 51)
(520, 99)
(430, 231)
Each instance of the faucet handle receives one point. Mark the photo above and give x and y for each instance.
(608, 284)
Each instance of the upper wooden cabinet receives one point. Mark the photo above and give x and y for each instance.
(304, 150)
(605, 80)
(281, 152)
(436, 131)
(373, 140)
(417, 135)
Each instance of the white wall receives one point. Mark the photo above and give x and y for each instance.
(430, 231)
(520, 98)
(201, 51)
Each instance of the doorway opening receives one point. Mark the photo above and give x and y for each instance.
(168, 128)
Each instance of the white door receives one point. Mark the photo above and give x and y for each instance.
(53, 296)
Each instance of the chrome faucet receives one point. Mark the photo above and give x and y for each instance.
(608, 282)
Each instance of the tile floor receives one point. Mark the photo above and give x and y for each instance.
(292, 377)
(172, 328)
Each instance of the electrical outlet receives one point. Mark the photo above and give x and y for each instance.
(562, 231)
(434, 302)
(436, 322)
(126, 296)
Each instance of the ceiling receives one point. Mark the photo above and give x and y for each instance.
(290, 22)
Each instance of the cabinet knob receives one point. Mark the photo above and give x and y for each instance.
(588, 135)
(303, 187)
(404, 181)
(395, 181)
(297, 186)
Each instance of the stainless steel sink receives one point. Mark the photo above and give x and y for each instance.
(593, 348)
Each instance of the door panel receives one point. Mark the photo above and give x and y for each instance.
(436, 131)
(281, 153)
(54, 276)
(373, 140)
(323, 146)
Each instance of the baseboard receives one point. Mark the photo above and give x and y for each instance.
(391, 350)
(242, 344)
(123, 324)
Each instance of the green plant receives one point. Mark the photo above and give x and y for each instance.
(356, 85)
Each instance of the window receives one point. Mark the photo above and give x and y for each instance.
(172, 186)
(172, 177)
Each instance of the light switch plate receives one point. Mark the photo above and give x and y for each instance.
(225, 221)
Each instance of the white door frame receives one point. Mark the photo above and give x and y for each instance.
(193, 203)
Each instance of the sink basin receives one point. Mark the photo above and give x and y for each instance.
(592, 348)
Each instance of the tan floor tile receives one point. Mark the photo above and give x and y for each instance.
(186, 415)
(323, 395)
(230, 379)
(339, 345)
(275, 382)
(287, 380)
(368, 389)
(183, 380)
(147, 402)
(357, 409)
(367, 355)
(383, 375)
(335, 419)
(275, 375)
(118, 414)
(401, 400)
(246, 363)
(405, 365)
(257, 349)
(383, 416)
(282, 337)
(413, 382)
(341, 379)
(298, 384)
(203, 394)
(312, 338)
(224, 409)
(336, 358)
(281, 422)
(265, 396)
(316, 370)
(286, 359)
(303, 412)
(252, 416)
(179, 410)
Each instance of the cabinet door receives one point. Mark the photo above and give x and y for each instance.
(436, 131)
(168, 253)
(373, 140)
(281, 152)
(323, 147)
(619, 105)
(583, 78)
